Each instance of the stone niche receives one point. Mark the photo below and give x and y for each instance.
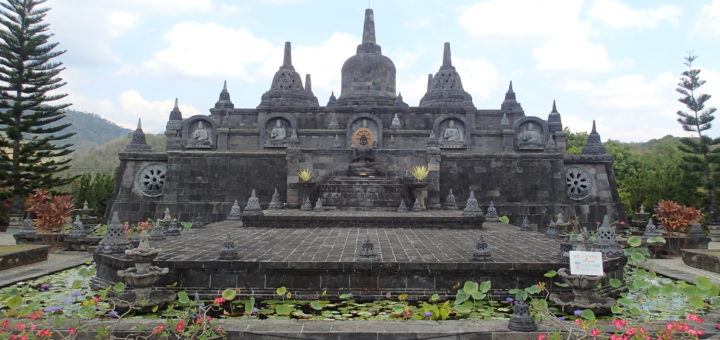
(199, 132)
(277, 130)
(531, 134)
(451, 132)
(365, 126)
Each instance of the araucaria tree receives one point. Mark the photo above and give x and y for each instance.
(702, 153)
(30, 158)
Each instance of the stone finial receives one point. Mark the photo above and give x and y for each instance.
(551, 231)
(594, 144)
(521, 320)
(308, 84)
(85, 205)
(224, 101)
(332, 101)
(275, 202)
(114, 241)
(417, 206)
(429, 82)
(606, 242)
(228, 251)
(235, 212)
(525, 226)
(559, 218)
(696, 231)
(395, 124)
(402, 207)
(399, 101)
(450, 201)
(333, 124)
(510, 103)
(27, 225)
(138, 142)
(318, 205)
(78, 229)
(492, 215)
(306, 206)
(445, 89)
(198, 222)
(287, 55)
(447, 59)
(482, 252)
(367, 250)
(504, 121)
(651, 230)
(157, 233)
(391, 143)
(642, 209)
(253, 205)
(368, 36)
(337, 142)
(173, 228)
(554, 120)
(175, 114)
(472, 208)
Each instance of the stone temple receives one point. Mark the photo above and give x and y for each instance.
(360, 148)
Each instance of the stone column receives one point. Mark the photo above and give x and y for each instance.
(508, 140)
(293, 188)
(433, 188)
(561, 141)
(222, 139)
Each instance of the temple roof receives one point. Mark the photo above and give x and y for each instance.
(287, 89)
(445, 89)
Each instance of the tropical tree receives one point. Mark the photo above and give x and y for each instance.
(29, 114)
(701, 152)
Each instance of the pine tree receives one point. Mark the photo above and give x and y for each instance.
(702, 153)
(29, 119)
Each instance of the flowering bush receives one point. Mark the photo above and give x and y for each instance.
(675, 216)
(51, 212)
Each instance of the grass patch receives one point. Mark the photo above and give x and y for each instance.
(10, 249)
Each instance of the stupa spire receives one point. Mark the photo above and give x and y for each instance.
(369, 27)
(308, 84)
(510, 103)
(224, 101)
(430, 80)
(554, 120)
(138, 142)
(554, 109)
(594, 144)
(287, 56)
(447, 59)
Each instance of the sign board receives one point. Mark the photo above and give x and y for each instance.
(586, 263)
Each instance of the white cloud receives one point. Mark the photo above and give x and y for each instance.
(619, 15)
(708, 21)
(207, 51)
(562, 39)
(128, 107)
(120, 22)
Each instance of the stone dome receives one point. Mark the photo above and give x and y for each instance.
(368, 77)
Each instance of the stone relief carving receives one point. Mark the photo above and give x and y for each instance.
(579, 183)
(151, 179)
(278, 133)
(451, 134)
(530, 136)
(200, 137)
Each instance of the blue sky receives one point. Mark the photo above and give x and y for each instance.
(614, 61)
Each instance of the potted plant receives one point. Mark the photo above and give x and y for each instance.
(419, 176)
(52, 212)
(676, 218)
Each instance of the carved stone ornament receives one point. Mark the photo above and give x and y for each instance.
(579, 183)
(530, 136)
(201, 136)
(151, 179)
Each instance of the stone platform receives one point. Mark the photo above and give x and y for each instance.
(369, 218)
(307, 261)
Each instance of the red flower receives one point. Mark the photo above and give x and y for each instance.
(578, 321)
(44, 333)
(594, 333)
(24, 337)
(619, 323)
(218, 300)
(71, 331)
(618, 337)
(158, 329)
(180, 326)
(693, 317)
(718, 326)
(5, 324)
(20, 325)
(542, 336)
(143, 224)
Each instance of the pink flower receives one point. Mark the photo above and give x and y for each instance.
(693, 317)
(619, 323)
(180, 326)
(594, 332)
(542, 336)
(219, 300)
(578, 322)
(71, 331)
(618, 337)
(630, 332)
(158, 329)
(143, 224)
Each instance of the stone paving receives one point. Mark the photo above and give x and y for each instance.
(506, 242)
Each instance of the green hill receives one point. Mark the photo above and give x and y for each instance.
(90, 130)
(104, 158)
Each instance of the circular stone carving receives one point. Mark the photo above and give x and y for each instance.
(151, 179)
(363, 137)
(579, 183)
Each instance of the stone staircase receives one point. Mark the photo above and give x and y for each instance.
(344, 192)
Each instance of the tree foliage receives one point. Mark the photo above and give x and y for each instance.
(701, 153)
(30, 158)
(95, 189)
